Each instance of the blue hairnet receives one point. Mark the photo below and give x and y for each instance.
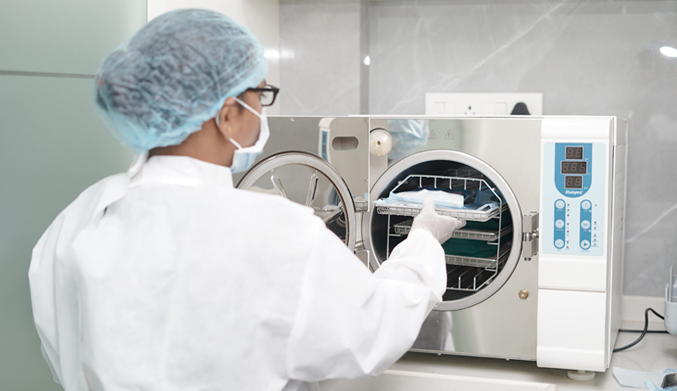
(175, 74)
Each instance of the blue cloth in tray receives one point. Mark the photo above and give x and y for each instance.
(443, 199)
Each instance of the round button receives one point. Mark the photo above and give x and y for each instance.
(559, 223)
(559, 243)
(585, 244)
(559, 204)
(585, 205)
(585, 224)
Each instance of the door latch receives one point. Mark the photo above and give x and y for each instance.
(529, 236)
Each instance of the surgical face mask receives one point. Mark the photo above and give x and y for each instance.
(244, 158)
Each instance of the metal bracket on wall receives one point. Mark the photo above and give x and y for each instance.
(529, 236)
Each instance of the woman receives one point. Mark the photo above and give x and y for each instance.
(168, 278)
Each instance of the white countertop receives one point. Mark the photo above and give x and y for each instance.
(655, 353)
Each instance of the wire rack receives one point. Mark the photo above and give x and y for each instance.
(481, 213)
(471, 279)
(487, 263)
(464, 273)
(404, 227)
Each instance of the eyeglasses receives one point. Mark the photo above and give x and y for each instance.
(268, 94)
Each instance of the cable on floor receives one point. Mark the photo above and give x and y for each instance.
(644, 332)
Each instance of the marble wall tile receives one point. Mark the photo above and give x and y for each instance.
(596, 58)
(320, 57)
(586, 57)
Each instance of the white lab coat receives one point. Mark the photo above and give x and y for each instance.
(171, 279)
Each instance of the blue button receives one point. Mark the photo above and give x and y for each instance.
(585, 244)
(559, 204)
(559, 243)
(559, 223)
(585, 224)
(585, 205)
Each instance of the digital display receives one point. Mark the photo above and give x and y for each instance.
(573, 182)
(574, 152)
(574, 167)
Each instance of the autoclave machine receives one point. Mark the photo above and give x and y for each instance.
(536, 272)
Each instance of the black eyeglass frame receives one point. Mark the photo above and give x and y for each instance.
(266, 88)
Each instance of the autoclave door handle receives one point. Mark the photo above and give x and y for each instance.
(530, 236)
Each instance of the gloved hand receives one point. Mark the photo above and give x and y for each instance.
(442, 227)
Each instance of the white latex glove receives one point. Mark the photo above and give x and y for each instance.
(442, 227)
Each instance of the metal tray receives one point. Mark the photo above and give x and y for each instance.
(487, 263)
(472, 279)
(479, 215)
(404, 227)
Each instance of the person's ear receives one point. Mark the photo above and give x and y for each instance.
(225, 117)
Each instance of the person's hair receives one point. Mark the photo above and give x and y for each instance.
(175, 74)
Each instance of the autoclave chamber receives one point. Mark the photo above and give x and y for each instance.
(480, 256)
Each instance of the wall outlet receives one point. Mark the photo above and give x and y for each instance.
(480, 103)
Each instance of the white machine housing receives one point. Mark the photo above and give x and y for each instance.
(580, 265)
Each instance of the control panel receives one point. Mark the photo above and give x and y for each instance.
(579, 275)
(574, 179)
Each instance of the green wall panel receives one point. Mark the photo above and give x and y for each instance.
(52, 146)
(71, 36)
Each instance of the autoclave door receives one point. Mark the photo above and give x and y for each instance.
(311, 181)
(319, 162)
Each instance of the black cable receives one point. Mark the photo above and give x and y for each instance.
(646, 326)
(641, 331)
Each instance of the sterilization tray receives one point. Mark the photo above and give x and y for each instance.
(404, 227)
(480, 215)
(487, 263)
(470, 279)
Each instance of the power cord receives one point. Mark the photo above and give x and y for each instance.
(644, 332)
(641, 331)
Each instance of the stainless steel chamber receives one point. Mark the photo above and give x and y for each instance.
(344, 168)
